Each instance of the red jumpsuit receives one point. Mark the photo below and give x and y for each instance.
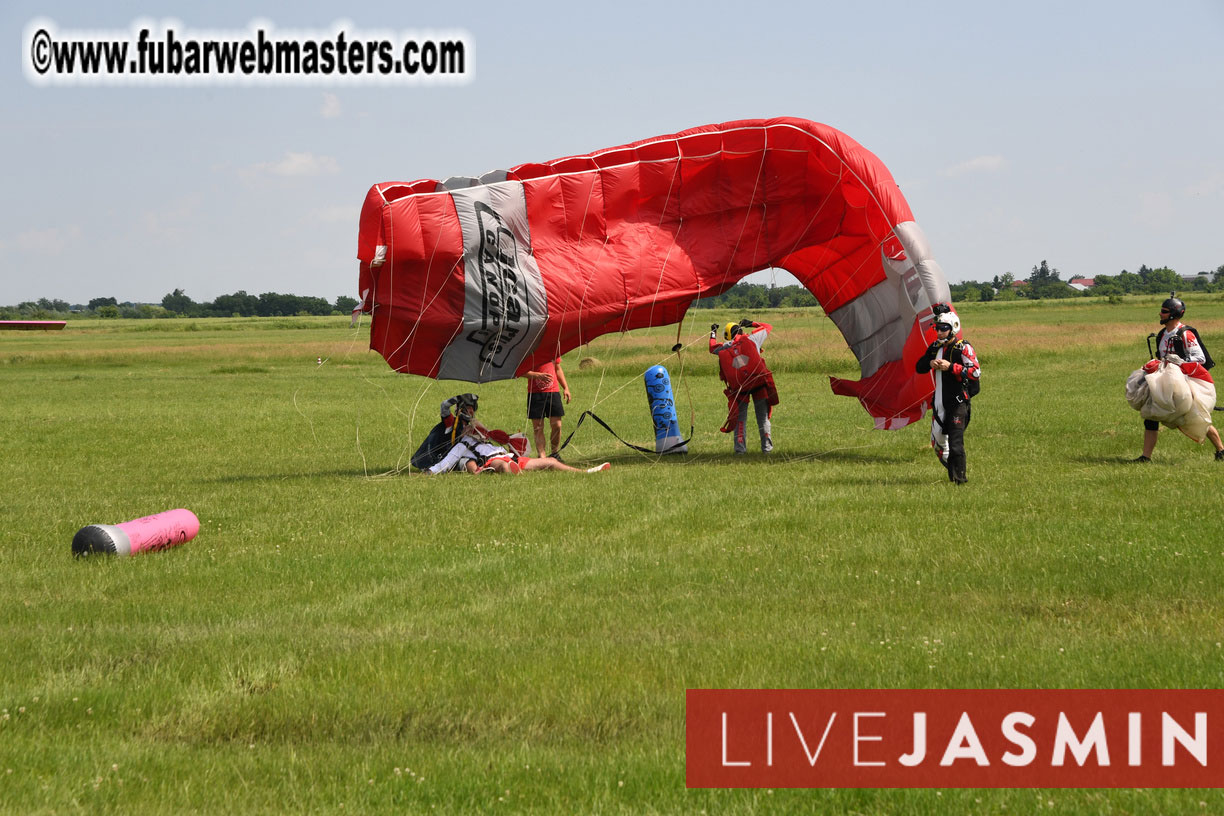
(747, 376)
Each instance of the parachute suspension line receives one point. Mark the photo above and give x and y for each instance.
(756, 185)
(410, 337)
(654, 300)
(426, 386)
(603, 369)
(587, 274)
(591, 413)
(671, 185)
(874, 388)
(399, 466)
(409, 340)
(364, 467)
(678, 347)
(588, 278)
(433, 252)
(803, 233)
(427, 300)
(688, 391)
(846, 170)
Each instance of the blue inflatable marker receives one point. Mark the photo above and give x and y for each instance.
(663, 412)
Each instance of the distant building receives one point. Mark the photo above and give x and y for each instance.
(1081, 284)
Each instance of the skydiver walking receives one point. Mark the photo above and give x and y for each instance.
(957, 376)
(742, 368)
(1177, 338)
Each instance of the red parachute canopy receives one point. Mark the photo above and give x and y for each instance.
(480, 279)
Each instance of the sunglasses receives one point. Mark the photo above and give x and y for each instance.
(942, 327)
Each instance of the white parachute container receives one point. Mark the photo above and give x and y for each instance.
(1176, 394)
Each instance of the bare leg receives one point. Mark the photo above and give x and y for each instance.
(554, 434)
(548, 463)
(1214, 436)
(1149, 441)
(537, 426)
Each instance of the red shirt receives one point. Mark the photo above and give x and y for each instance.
(535, 386)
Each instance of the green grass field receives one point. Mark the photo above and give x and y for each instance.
(346, 637)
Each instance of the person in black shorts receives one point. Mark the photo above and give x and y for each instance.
(546, 386)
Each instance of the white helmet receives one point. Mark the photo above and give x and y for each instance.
(948, 319)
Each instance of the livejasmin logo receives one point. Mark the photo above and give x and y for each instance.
(948, 738)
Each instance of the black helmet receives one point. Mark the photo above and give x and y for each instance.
(464, 400)
(1174, 307)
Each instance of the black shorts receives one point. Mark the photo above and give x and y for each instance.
(543, 405)
(1151, 425)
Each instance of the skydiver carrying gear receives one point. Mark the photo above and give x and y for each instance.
(1176, 338)
(742, 368)
(957, 376)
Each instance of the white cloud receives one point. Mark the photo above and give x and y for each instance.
(300, 164)
(337, 215)
(49, 241)
(1210, 184)
(331, 106)
(981, 164)
(170, 222)
(1156, 210)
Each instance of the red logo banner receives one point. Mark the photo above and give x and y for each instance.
(955, 738)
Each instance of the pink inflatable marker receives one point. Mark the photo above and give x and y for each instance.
(148, 534)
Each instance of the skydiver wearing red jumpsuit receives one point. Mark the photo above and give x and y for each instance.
(747, 376)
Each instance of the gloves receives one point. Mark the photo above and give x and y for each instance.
(713, 327)
(747, 324)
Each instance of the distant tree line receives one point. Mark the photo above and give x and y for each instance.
(746, 296)
(178, 304)
(1045, 282)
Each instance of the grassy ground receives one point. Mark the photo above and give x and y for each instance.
(338, 639)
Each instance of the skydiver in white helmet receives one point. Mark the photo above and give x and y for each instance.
(957, 376)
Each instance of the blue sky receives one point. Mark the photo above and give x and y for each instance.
(1087, 134)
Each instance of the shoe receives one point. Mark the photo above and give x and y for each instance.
(597, 468)
(557, 455)
(1220, 456)
(1148, 458)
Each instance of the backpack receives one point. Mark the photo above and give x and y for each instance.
(1208, 363)
(973, 385)
(436, 445)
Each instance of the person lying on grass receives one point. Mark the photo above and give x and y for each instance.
(476, 451)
